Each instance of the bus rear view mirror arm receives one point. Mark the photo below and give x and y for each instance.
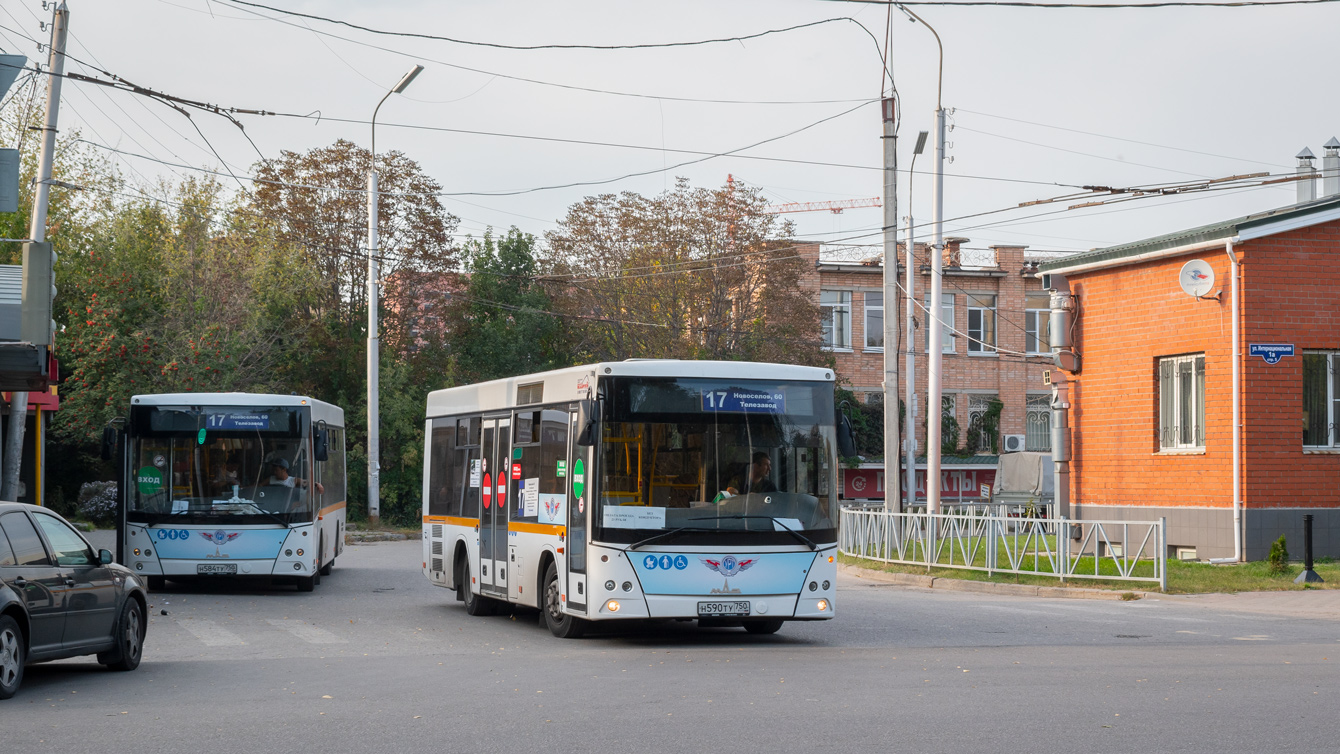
(588, 414)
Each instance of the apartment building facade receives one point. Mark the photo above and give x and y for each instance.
(994, 346)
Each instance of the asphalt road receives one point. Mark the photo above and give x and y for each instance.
(378, 660)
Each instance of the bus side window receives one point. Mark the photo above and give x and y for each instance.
(444, 472)
(467, 459)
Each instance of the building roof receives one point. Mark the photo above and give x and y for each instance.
(1294, 216)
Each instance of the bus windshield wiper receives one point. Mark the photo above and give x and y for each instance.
(776, 522)
(665, 534)
(264, 512)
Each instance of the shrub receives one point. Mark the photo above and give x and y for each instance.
(1277, 562)
(97, 502)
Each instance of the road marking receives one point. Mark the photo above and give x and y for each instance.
(209, 633)
(306, 631)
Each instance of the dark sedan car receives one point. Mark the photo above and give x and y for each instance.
(58, 598)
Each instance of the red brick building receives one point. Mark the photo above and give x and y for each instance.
(995, 336)
(1152, 407)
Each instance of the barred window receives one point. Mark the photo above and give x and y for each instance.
(978, 406)
(1038, 423)
(1321, 400)
(1182, 402)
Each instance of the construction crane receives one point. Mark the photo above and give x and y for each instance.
(834, 207)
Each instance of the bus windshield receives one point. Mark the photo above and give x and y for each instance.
(242, 465)
(749, 457)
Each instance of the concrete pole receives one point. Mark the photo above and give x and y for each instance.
(892, 446)
(374, 348)
(910, 367)
(935, 328)
(18, 402)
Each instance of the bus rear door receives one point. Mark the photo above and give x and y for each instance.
(496, 450)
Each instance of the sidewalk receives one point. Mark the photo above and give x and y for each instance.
(1320, 604)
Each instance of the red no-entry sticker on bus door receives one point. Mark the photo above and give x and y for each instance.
(488, 490)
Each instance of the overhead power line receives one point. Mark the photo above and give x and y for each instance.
(502, 46)
(1087, 6)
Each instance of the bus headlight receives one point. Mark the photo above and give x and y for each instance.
(823, 605)
(612, 606)
(609, 586)
(300, 553)
(628, 586)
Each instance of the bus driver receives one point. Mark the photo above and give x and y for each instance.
(279, 476)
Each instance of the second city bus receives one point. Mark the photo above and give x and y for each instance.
(638, 489)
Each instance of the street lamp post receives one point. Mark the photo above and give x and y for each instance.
(374, 342)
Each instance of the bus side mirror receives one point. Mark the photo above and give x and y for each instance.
(846, 439)
(321, 445)
(588, 414)
(108, 443)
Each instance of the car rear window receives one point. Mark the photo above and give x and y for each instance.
(28, 549)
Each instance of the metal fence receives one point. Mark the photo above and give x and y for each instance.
(996, 542)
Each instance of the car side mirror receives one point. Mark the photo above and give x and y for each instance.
(108, 443)
(321, 445)
(588, 415)
(105, 557)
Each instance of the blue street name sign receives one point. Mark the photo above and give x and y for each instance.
(1271, 352)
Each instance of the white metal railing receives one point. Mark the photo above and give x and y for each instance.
(988, 541)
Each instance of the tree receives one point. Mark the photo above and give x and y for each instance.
(318, 200)
(500, 323)
(691, 273)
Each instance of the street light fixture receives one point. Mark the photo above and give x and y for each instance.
(374, 342)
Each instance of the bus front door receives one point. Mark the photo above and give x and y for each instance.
(496, 450)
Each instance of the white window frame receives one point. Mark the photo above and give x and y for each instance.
(1037, 327)
(1332, 398)
(867, 309)
(1038, 422)
(946, 319)
(1180, 402)
(829, 312)
(982, 339)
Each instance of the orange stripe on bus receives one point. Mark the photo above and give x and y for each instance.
(453, 520)
(330, 508)
(538, 528)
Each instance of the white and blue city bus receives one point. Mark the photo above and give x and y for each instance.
(639, 489)
(235, 485)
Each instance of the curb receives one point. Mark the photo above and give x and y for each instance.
(988, 587)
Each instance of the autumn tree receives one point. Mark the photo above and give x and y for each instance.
(318, 200)
(691, 273)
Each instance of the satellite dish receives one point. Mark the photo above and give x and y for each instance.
(1197, 277)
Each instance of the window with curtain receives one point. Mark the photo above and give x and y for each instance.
(1182, 402)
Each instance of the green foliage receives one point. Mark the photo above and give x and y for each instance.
(1277, 562)
(867, 423)
(502, 325)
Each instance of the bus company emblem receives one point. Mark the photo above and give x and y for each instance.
(728, 566)
(219, 538)
(551, 507)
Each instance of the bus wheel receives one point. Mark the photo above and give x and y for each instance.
(763, 626)
(475, 604)
(328, 567)
(560, 624)
(325, 568)
(308, 583)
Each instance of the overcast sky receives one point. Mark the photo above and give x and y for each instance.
(1041, 97)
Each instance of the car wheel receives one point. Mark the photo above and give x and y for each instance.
(560, 624)
(11, 656)
(475, 604)
(762, 627)
(129, 636)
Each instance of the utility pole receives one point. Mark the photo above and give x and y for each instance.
(936, 328)
(374, 297)
(18, 402)
(910, 368)
(892, 446)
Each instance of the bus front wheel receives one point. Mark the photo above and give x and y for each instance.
(763, 626)
(560, 624)
(475, 604)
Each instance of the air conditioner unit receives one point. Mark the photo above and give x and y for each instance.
(1014, 443)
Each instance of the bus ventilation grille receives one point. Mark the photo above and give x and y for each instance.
(437, 548)
(437, 565)
(437, 531)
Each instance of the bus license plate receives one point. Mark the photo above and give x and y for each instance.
(222, 569)
(723, 609)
